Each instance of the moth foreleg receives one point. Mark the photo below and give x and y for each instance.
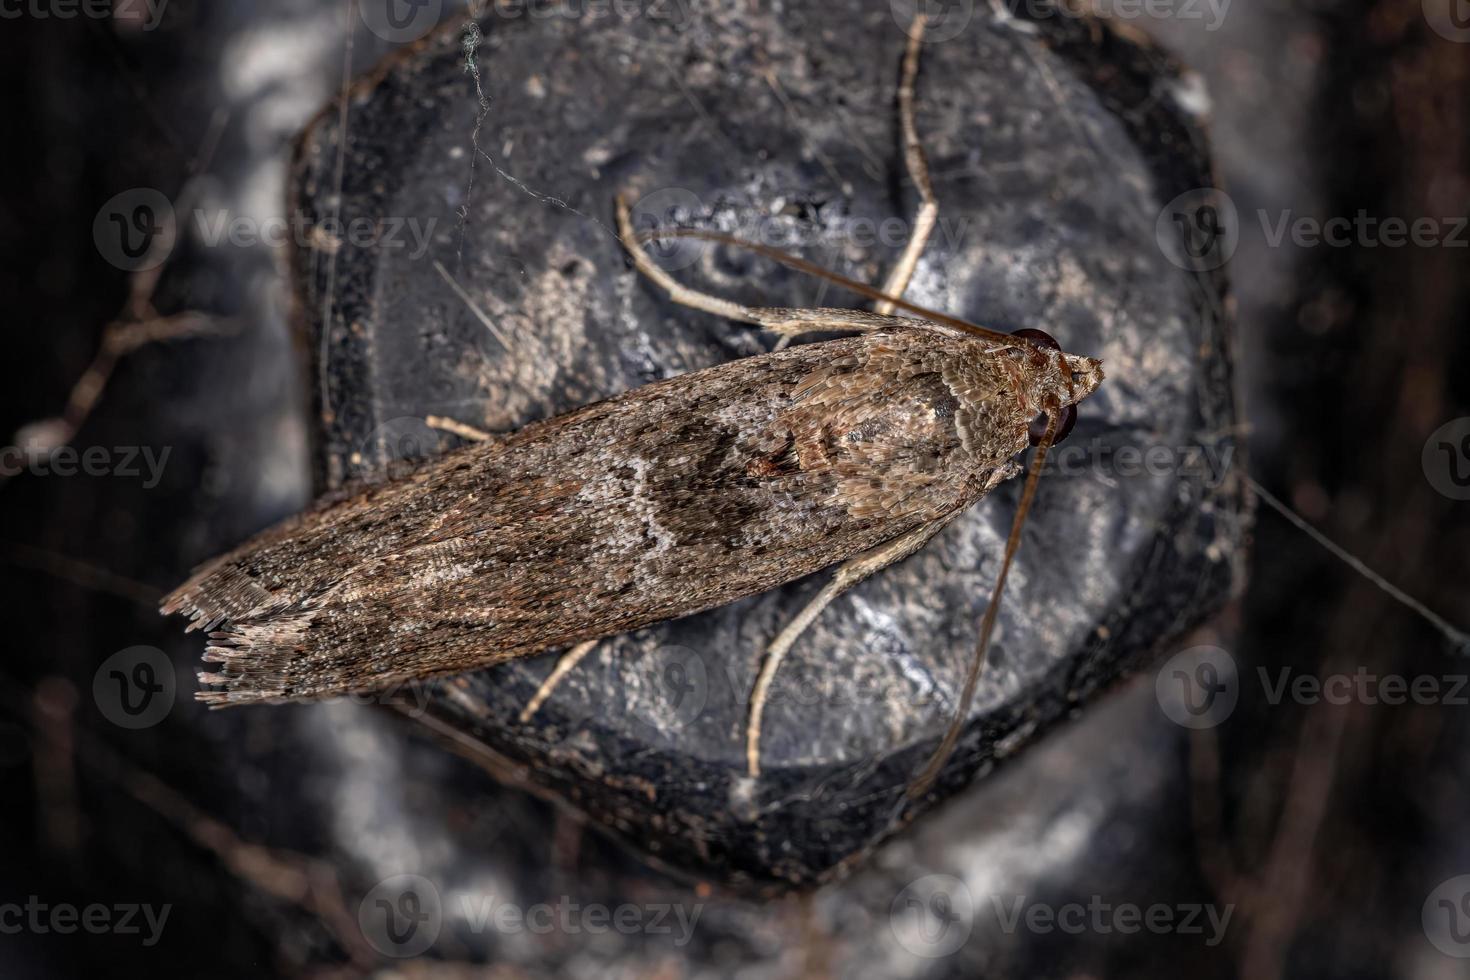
(791, 323)
(918, 168)
(460, 429)
(849, 574)
(563, 667)
(786, 322)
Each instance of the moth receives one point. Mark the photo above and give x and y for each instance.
(673, 498)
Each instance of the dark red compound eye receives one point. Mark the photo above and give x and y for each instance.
(1038, 337)
(1069, 414)
(1064, 427)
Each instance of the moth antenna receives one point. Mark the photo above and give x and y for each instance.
(1458, 639)
(926, 778)
(812, 269)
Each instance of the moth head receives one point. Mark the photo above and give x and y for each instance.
(1069, 378)
(1087, 374)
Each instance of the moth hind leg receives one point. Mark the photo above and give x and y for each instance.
(849, 574)
(564, 666)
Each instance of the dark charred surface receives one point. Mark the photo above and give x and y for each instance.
(1050, 169)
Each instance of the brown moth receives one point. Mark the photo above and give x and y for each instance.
(669, 499)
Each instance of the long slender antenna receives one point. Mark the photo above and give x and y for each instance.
(811, 269)
(1457, 638)
(926, 778)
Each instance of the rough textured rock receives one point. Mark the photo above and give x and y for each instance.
(1054, 146)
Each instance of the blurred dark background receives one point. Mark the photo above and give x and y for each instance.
(1333, 829)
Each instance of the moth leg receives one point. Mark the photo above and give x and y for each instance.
(918, 167)
(679, 293)
(459, 428)
(784, 321)
(563, 667)
(791, 323)
(849, 573)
